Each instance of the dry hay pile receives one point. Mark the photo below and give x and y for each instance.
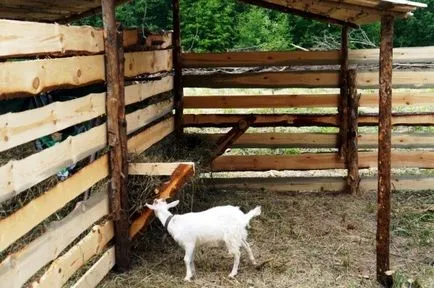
(188, 148)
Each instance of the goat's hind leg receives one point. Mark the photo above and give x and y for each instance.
(249, 252)
(237, 254)
(189, 265)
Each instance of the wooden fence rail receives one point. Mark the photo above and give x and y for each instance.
(24, 78)
(318, 161)
(22, 38)
(306, 79)
(300, 100)
(302, 119)
(17, 268)
(323, 140)
(299, 58)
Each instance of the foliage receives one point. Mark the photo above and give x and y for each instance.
(224, 25)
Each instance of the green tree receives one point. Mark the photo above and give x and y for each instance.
(260, 29)
(417, 30)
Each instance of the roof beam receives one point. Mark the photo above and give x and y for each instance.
(304, 14)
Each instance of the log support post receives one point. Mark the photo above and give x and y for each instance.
(384, 151)
(352, 161)
(116, 134)
(343, 103)
(178, 88)
(228, 139)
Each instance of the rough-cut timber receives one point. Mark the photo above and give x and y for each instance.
(352, 160)
(410, 98)
(30, 77)
(305, 79)
(343, 101)
(229, 138)
(262, 101)
(318, 161)
(154, 169)
(96, 273)
(299, 120)
(19, 175)
(66, 265)
(384, 151)
(21, 127)
(178, 85)
(300, 58)
(299, 12)
(116, 134)
(145, 116)
(21, 38)
(18, 267)
(139, 92)
(316, 184)
(37, 210)
(142, 141)
(323, 140)
(166, 190)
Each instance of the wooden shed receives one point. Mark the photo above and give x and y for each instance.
(54, 56)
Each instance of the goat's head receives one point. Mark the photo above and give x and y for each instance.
(162, 205)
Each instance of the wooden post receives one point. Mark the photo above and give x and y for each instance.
(343, 103)
(178, 89)
(353, 178)
(384, 150)
(116, 133)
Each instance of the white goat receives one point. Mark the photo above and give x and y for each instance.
(211, 227)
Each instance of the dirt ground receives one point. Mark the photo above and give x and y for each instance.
(302, 240)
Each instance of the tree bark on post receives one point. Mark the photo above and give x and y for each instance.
(343, 103)
(178, 89)
(384, 150)
(116, 134)
(353, 178)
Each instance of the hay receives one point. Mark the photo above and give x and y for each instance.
(195, 148)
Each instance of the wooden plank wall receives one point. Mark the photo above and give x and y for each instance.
(232, 107)
(83, 65)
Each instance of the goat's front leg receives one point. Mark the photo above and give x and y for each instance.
(188, 259)
(234, 271)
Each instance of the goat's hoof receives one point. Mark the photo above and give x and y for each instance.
(187, 279)
(232, 275)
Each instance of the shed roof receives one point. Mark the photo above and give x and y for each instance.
(338, 11)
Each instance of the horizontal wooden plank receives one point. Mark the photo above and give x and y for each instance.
(413, 98)
(24, 78)
(316, 184)
(17, 268)
(19, 175)
(306, 79)
(98, 270)
(255, 59)
(261, 101)
(66, 265)
(318, 161)
(21, 127)
(145, 116)
(33, 213)
(155, 169)
(301, 58)
(23, 38)
(139, 92)
(299, 120)
(293, 79)
(159, 41)
(323, 140)
(142, 141)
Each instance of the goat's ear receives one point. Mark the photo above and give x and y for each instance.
(150, 206)
(173, 204)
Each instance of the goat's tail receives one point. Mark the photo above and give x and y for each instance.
(252, 213)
